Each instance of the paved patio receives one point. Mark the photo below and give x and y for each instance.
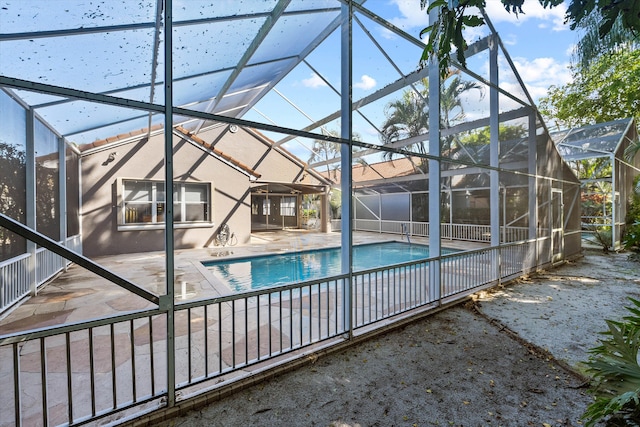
(77, 294)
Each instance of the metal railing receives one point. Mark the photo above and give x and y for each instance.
(78, 373)
(48, 264)
(117, 368)
(466, 232)
(16, 278)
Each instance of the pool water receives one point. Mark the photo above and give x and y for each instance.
(272, 270)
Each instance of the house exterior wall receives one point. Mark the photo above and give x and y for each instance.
(254, 151)
(102, 207)
(144, 159)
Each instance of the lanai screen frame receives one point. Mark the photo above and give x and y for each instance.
(608, 141)
(545, 178)
(433, 157)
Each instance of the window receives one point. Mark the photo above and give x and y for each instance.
(144, 202)
(288, 206)
(266, 207)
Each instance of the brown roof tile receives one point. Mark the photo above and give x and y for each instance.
(217, 152)
(112, 139)
(402, 166)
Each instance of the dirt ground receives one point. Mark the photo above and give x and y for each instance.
(510, 358)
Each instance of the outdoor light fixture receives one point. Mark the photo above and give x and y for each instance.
(111, 158)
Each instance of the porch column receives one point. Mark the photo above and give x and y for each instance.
(30, 214)
(62, 188)
(325, 221)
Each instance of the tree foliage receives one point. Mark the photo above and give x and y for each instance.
(409, 116)
(455, 15)
(592, 45)
(483, 136)
(326, 151)
(608, 89)
(12, 196)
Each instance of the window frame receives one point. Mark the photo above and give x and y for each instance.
(286, 207)
(180, 205)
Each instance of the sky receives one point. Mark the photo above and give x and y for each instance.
(538, 41)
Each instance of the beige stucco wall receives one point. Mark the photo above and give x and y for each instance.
(142, 159)
(246, 146)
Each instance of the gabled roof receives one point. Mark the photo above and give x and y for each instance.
(592, 141)
(180, 132)
(183, 133)
(363, 173)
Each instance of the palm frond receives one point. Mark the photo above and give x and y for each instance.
(593, 44)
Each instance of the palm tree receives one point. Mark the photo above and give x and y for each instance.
(409, 116)
(406, 117)
(450, 99)
(631, 150)
(324, 151)
(594, 44)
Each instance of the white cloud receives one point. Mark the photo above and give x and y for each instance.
(540, 73)
(314, 81)
(366, 83)
(532, 9)
(510, 39)
(411, 16)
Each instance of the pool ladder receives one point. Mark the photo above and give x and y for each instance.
(405, 231)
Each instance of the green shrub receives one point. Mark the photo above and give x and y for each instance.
(631, 236)
(616, 373)
(601, 236)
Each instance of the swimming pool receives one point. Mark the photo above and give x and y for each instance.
(264, 271)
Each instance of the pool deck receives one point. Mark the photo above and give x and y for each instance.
(77, 295)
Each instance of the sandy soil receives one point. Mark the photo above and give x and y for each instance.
(510, 358)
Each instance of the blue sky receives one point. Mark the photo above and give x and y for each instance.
(538, 41)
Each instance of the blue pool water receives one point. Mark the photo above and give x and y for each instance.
(273, 270)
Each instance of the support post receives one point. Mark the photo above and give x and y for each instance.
(435, 174)
(533, 187)
(62, 193)
(30, 193)
(167, 303)
(615, 237)
(345, 160)
(494, 152)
